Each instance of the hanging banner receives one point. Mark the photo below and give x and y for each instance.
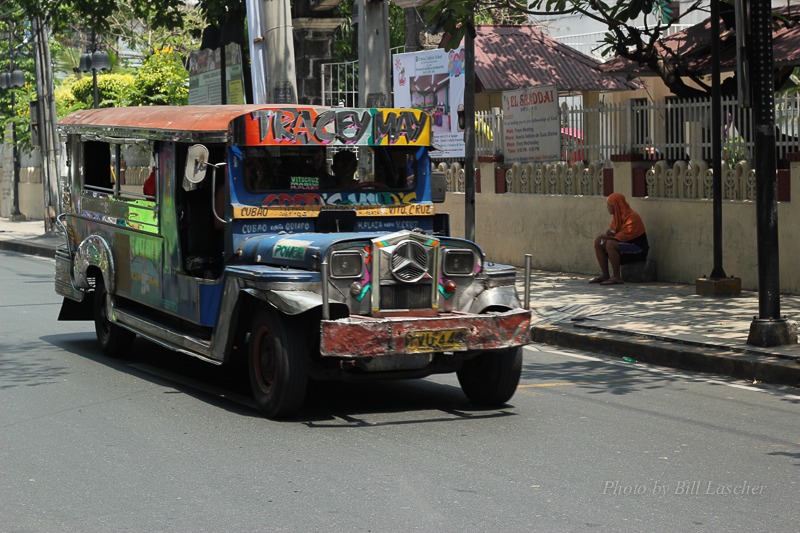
(531, 126)
(433, 81)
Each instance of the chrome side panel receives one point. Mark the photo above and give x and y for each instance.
(63, 278)
(226, 319)
(95, 251)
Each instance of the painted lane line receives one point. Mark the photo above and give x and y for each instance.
(577, 383)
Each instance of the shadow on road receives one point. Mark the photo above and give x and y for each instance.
(327, 404)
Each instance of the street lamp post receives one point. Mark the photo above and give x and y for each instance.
(94, 61)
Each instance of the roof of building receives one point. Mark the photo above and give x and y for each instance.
(517, 57)
(691, 49)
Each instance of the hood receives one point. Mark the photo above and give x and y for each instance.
(294, 250)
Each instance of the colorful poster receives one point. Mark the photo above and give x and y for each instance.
(433, 81)
(531, 126)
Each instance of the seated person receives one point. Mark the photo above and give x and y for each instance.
(344, 168)
(624, 242)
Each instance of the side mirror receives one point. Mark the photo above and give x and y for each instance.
(196, 165)
(438, 187)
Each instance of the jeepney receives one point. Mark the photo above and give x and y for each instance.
(304, 237)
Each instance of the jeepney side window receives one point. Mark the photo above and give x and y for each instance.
(97, 167)
(136, 169)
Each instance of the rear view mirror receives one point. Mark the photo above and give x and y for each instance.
(195, 171)
(438, 187)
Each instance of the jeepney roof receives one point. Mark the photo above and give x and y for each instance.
(199, 123)
(271, 124)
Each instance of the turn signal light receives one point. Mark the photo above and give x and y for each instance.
(450, 287)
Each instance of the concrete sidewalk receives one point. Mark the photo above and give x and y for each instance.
(659, 323)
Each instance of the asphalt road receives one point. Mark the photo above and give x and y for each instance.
(160, 442)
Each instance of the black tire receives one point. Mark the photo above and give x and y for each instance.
(278, 364)
(491, 378)
(114, 340)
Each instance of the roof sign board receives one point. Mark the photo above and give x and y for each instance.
(531, 125)
(337, 126)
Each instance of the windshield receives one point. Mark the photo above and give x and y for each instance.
(272, 168)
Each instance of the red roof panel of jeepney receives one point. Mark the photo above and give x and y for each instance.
(177, 118)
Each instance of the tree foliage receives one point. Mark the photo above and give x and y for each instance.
(162, 80)
(18, 114)
(624, 37)
(97, 13)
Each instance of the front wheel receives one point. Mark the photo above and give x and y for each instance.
(278, 365)
(491, 378)
(114, 340)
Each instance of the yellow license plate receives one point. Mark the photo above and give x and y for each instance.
(443, 340)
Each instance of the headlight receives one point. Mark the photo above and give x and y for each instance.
(346, 265)
(459, 262)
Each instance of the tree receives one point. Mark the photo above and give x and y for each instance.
(23, 60)
(624, 37)
(98, 13)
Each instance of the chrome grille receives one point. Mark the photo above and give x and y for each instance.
(406, 296)
(409, 261)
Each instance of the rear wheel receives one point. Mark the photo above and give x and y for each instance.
(278, 364)
(491, 378)
(114, 340)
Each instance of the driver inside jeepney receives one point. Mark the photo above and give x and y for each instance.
(298, 167)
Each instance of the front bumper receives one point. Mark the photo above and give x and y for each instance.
(373, 337)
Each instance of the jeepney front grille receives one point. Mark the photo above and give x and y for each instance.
(406, 296)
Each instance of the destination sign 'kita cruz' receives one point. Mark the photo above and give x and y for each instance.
(283, 211)
(331, 127)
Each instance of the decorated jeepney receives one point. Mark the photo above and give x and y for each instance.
(305, 238)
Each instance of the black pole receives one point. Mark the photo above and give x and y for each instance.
(763, 89)
(469, 133)
(716, 141)
(94, 73)
(15, 180)
(15, 207)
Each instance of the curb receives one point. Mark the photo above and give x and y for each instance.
(41, 250)
(695, 358)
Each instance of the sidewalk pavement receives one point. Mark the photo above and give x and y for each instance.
(660, 323)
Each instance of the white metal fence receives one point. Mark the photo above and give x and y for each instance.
(340, 81)
(671, 130)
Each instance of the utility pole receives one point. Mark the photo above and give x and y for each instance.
(769, 328)
(281, 79)
(47, 124)
(258, 58)
(374, 63)
(469, 132)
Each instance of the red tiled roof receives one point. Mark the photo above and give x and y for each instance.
(516, 57)
(691, 49)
